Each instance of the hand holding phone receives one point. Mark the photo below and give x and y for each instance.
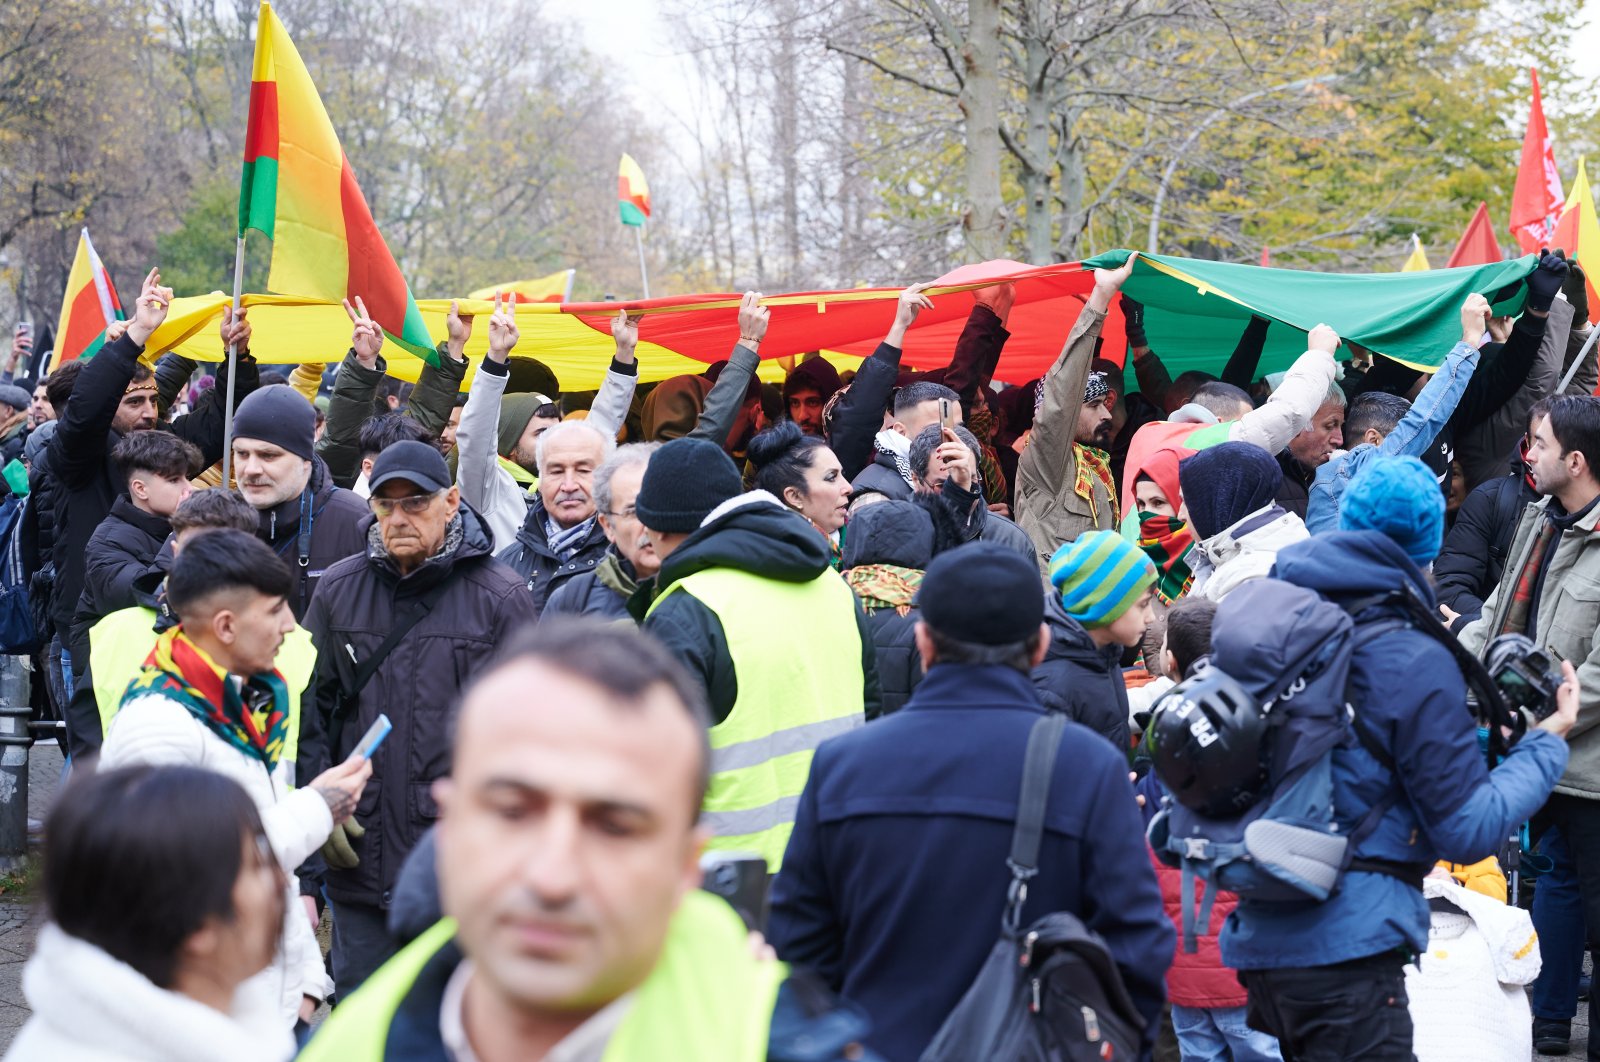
(944, 413)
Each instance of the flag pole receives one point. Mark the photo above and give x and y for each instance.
(233, 367)
(638, 239)
(1573, 371)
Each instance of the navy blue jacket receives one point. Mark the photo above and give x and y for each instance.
(1412, 700)
(895, 878)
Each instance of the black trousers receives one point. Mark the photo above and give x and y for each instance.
(1353, 1012)
(1579, 822)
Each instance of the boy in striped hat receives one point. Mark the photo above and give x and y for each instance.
(1103, 602)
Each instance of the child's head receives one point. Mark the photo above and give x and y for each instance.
(1188, 635)
(156, 466)
(1106, 583)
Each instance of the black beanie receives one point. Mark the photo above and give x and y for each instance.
(279, 415)
(1226, 483)
(684, 481)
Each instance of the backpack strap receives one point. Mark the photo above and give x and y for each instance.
(350, 693)
(1044, 741)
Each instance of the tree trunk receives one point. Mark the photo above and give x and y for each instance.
(1037, 157)
(788, 129)
(980, 106)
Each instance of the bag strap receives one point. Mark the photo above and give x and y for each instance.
(1044, 740)
(351, 691)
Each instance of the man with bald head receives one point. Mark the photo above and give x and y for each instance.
(569, 846)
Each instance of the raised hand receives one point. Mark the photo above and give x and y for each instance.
(753, 320)
(151, 309)
(998, 298)
(1107, 282)
(625, 330)
(958, 458)
(366, 337)
(912, 302)
(1474, 319)
(235, 330)
(1323, 338)
(503, 332)
(458, 329)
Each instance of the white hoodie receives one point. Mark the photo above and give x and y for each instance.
(1244, 551)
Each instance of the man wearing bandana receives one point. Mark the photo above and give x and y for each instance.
(1064, 484)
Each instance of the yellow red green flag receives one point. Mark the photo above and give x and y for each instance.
(299, 190)
(89, 305)
(556, 287)
(1578, 233)
(633, 194)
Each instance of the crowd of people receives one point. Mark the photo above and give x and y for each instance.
(618, 645)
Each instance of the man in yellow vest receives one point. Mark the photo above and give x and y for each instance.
(747, 600)
(568, 863)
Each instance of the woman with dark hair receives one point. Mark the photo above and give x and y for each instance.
(802, 473)
(164, 900)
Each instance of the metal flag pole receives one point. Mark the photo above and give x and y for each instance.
(1561, 388)
(233, 368)
(638, 239)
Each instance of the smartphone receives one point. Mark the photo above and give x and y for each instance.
(740, 878)
(373, 737)
(944, 413)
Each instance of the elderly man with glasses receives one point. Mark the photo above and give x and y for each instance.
(400, 628)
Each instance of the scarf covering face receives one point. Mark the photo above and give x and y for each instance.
(881, 586)
(1166, 540)
(1094, 465)
(179, 670)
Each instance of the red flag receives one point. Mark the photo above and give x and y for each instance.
(1478, 245)
(1266, 256)
(1537, 200)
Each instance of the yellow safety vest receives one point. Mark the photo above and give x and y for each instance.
(793, 693)
(121, 642)
(707, 997)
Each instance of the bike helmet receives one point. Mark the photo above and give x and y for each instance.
(1205, 740)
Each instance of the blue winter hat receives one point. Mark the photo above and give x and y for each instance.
(1399, 497)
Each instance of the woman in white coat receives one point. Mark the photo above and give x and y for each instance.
(164, 899)
(209, 697)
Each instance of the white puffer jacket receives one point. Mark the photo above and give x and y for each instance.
(1245, 551)
(90, 1007)
(157, 730)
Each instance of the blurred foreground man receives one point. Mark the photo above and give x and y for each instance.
(569, 849)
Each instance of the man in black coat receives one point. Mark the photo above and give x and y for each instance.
(307, 521)
(113, 396)
(428, 560)
(561, 537)
(894, 881)
(604, 592)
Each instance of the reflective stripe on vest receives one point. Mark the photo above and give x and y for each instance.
(793, 692)
(706, 998)
(121, 642)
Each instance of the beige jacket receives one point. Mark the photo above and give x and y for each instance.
(1048, 508)
(1569, 612)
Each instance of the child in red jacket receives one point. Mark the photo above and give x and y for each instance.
(1208, 1002)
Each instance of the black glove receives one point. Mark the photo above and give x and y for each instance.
(1133, 318)
(1577, 292)
(1545, 281)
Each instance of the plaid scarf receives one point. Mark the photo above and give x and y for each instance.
(565, 543)
(1094, 465)
(1520, 612)
(1166, 540)
(180, 670)
(881, 586)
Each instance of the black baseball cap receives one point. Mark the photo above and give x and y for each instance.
(413, 461)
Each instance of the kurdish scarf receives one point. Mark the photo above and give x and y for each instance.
(1094, 465)
(881, 586)
(1166, 540)
(179, 670)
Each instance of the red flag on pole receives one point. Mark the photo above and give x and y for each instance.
(1537, 200)
(1266, 256)
(1478, 245)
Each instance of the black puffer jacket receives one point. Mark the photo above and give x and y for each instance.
(417, 685)
(1294, 493)
(602, 593)
(755, 534)
(900, 534)
(531, 557)
(121, 549)
(1473, 558)
(337, 517)
(1081, 679)
(80, 455)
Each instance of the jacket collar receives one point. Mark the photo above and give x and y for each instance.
(974, 686)
(157, 527)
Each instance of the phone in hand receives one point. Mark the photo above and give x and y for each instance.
(373, 737)
(741, 878)
(944, 413)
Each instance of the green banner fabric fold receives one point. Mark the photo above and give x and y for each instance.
(1196, 309)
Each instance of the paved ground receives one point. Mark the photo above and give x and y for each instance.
(18, 925)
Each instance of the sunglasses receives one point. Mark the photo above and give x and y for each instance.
(415, 504)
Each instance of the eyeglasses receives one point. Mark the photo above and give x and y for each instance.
(629, 513)
(415, 504)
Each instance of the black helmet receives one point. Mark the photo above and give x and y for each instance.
(1205, 741)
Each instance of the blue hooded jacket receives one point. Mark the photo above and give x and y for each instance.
(1411, 697)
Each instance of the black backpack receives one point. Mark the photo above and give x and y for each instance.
(1050, 993)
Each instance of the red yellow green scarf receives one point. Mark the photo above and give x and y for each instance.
(1166, 540)
(881, 586)
(181, 671)
(1094, 465)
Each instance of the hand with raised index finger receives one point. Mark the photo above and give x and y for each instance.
(458, 330)
(625, 330)
(151, 309)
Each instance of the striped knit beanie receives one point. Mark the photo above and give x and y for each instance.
(1099, 576)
